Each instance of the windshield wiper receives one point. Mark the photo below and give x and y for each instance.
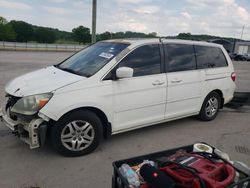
(86, 75)
(73, 72)
(67, 70)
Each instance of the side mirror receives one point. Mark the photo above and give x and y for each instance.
(124, 72)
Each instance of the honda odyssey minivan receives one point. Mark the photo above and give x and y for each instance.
(115, 86)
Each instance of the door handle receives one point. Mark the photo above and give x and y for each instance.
(176, 80)
(157, 83)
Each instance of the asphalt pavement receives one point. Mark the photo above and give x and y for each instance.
(44, 168)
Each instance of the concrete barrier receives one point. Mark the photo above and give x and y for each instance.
(18, 46)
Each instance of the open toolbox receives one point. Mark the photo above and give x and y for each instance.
(119, 181)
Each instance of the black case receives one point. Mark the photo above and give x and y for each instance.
(118, 181)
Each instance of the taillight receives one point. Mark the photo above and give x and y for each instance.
(233, 76)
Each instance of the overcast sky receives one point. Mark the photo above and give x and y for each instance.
(166, 17)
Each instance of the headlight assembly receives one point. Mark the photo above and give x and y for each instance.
(31, 104)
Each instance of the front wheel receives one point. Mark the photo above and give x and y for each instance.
(78, 133)
(210, 107)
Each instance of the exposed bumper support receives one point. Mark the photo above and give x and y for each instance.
(42, 130)
(33, 133)
(7, 121)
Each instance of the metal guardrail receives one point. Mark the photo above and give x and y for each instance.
(18, 46)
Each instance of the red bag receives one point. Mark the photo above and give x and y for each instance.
(197, 171)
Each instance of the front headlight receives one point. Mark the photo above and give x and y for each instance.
(31, 104)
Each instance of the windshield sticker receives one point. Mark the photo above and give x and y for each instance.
(106, 55)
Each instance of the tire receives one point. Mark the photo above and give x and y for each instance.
(210, 107)
(77, 133)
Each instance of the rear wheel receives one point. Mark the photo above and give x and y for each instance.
(210, 107)
(77, 133)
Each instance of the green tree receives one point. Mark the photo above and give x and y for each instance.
(118, 35)
(3, 21)
(6, 31)
(130, 34)
(105, 36)
(153, 34)
(185, 36)
(81, 34)
(44, 35)
(23, 30)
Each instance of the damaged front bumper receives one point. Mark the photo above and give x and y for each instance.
(32, 132)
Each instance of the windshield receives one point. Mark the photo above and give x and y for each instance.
(91, 59)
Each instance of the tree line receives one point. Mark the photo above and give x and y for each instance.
(189, 36)
(21, 31)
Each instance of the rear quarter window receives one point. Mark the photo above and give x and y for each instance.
(210, 57)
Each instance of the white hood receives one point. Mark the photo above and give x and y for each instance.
(41, 81)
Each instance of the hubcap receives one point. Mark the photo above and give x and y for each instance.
(77, 135)
(212, 107)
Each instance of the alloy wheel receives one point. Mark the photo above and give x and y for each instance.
(77, 135)
(212, 107)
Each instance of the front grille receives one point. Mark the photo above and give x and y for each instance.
(10, 103)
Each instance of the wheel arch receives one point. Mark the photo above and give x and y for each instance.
(202, 114)
(107, 128)
(220, 93)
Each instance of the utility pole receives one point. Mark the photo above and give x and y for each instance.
(94, 21)
(242, 32)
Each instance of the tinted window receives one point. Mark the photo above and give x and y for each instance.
(208, 57)
(145, 60)
(180, 57)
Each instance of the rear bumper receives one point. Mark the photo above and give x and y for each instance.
(228, 99)
(228, 93)
(240, 99)
(33, 132)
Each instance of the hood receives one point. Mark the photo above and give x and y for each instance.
(41, 81)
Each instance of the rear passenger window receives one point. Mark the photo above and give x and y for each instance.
(145, 60)
(181, 57)
(209, 57)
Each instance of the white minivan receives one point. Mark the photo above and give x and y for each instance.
(115, 86)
